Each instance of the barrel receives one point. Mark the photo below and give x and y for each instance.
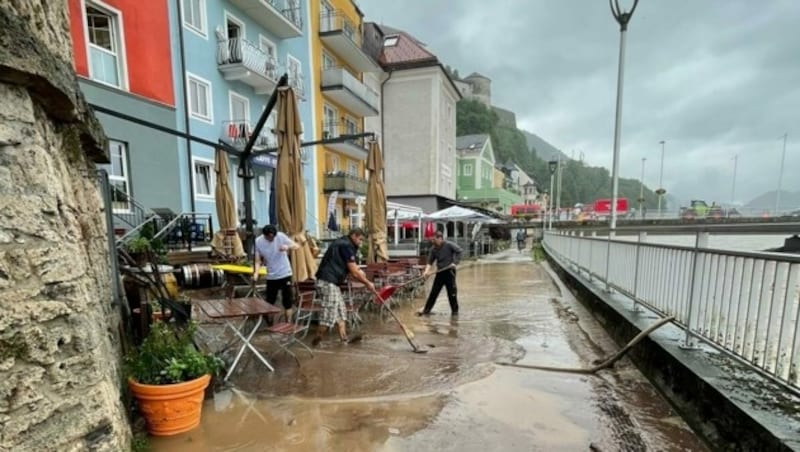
(201, 276)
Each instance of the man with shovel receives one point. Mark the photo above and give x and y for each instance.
(339, 261)
(446, 255)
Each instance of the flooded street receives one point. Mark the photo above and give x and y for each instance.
(378, 396)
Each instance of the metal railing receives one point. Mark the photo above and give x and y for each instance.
(336, 129)
(297, 82)
(338, 21)
(338, 76)
(343, 182)
(244, 52)
(290, 9)
(237, 132)
(187, 230)
(745, 303)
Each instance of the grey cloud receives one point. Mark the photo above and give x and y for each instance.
(715, 78)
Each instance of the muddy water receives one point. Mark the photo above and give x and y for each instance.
(378, 396)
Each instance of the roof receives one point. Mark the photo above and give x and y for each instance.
(389, 31)
(468, 145)
(407, 51)
(476, 75)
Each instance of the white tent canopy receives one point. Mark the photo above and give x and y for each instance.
(396, 212)
(456, 213)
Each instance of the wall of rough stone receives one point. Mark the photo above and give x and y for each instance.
(59, 331)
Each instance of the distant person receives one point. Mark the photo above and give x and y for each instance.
(272, 246)
(446, 255)
(521, 237)
(338, 261)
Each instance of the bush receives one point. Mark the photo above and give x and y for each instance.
(168, 355)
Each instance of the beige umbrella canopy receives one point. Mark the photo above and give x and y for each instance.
(226, 240)
(376, 207)
(290, 191)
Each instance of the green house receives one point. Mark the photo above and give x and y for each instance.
(475, 175)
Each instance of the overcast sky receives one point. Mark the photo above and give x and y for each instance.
(713, 78)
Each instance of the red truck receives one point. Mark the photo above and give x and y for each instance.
(601, 209)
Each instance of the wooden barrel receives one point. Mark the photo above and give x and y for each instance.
(201, 276)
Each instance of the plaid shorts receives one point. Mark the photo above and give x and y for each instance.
(332, 301)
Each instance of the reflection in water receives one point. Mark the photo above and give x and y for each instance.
(377, 395)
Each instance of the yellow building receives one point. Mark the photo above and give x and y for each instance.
(342, 101)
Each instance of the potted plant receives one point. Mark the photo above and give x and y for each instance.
(168, 376)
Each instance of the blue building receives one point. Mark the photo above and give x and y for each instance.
(228, 56)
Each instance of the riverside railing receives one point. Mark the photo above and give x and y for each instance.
(745, 303)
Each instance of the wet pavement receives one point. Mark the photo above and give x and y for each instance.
(378, 396)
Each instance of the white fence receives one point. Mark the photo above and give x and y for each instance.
(746, 303)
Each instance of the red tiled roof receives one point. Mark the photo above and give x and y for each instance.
(406, 51)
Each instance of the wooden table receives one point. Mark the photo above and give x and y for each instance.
(239, 308)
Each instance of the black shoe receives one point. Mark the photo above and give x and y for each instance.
(454, 314)
(356, 337)
(422, 313)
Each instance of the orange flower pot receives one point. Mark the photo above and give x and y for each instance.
(171, 409)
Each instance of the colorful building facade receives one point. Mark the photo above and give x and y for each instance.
(341, 103)
(123, 59)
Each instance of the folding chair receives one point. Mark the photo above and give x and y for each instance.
(306, 308)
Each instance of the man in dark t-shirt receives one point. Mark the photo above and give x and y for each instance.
(339, 261)
(446, 255)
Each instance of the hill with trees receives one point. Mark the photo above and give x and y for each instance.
(580, 183)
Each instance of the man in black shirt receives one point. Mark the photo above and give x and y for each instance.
(446, 255)
(339, 261)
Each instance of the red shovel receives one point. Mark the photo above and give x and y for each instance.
(384, 294)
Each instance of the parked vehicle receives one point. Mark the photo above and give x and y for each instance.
(526, 211)
(602, 208)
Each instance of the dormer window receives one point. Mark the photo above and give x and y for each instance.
(391, 41)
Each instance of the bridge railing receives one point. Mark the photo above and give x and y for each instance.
(745, 303)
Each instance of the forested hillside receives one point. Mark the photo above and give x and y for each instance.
(581, 183)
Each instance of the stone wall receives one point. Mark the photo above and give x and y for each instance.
(59, 329)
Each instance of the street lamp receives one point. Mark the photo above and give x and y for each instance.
(780, 176)
(552, 165)
(622, 18)
(733, 186)
(641, 191)
(660, 191)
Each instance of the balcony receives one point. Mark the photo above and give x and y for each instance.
(237, 132)
(341, 35)
(297, 82)
(344, 183)
(352, 147)
(346, 90)
(281, 17)
(239, 59)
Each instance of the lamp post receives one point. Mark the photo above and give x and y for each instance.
(641, 191)
(552, 165)
(780, 176)
(622, 18)
(559, 176)
(733, 186)
(660, 191)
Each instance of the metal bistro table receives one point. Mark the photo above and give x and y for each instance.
(239, 308)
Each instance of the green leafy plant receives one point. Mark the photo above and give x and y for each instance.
(167, 356)
(139, 244)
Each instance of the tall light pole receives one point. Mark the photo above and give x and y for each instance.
(780, 176)
(660, 191)
(733, 186)
(559, 175)
(622, 18)
(552, 165)
(641, 191)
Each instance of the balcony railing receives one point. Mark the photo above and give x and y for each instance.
(297, 82)
(343, 182)
(244, 52)
(290, 9)
(237, 132)
(336, 77)
(331, 130)
(338, 21)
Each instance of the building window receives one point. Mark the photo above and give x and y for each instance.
(295, 71)
(350, 127)
(352, 169)
(103, 34)
(468, 169)
(199, 98)
(390, 41)
(327, 61)
(194, 15)
(329, 122)
(118, 177)
(203, 178)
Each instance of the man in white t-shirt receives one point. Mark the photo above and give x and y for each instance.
(273, 246)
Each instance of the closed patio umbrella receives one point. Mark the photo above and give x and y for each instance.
(375, 210)
(290, 192)
(226, 239)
